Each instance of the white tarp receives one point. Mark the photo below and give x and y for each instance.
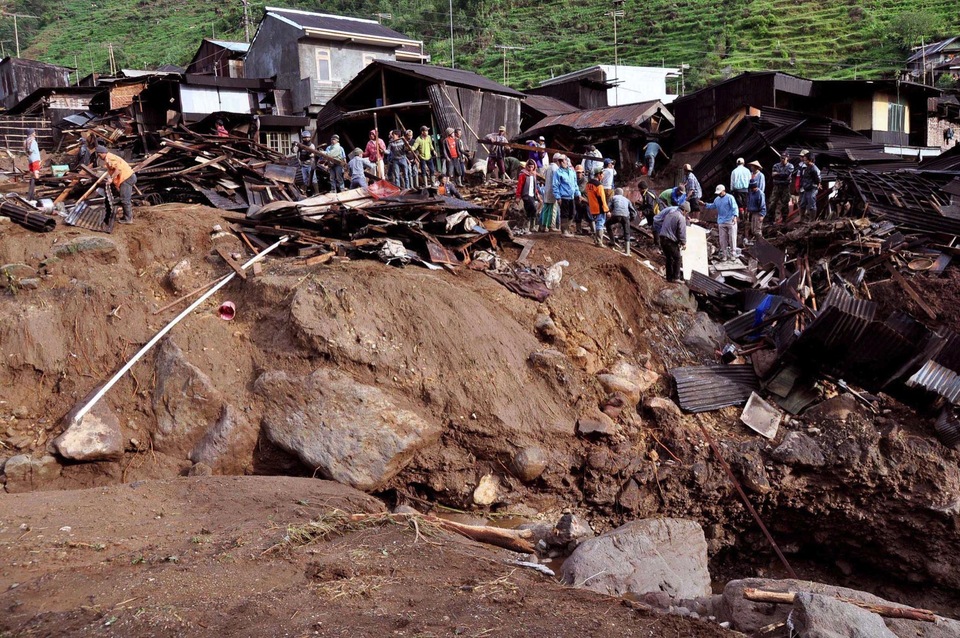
(210, 99)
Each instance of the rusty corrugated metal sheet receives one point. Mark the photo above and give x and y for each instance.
(705, 388)
(629, 115)
(937, 378)
(837, 296)
(701, 284)
(547, 105)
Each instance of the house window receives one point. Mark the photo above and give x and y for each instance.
(896, 117)
(279, 141)
(323, 66)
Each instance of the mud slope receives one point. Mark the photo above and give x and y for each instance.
(499, 382)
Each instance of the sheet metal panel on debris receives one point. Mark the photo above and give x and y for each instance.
(705, 388)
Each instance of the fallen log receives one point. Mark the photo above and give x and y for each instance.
(512, 539)
(788, 598)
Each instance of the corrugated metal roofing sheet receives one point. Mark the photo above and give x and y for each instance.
(937, 378)
(837, 296)
(703, 285)
(548, 105)
(456, 77)
(346, 24)
(705, 388)
(630, 115)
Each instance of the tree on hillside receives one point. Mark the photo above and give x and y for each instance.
(915, 28)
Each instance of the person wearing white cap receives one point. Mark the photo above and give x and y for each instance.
(727, 214)
(740, 183)
(542, 143)
(336, 152)
(548, 213)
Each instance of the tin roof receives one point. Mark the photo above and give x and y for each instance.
(548, 105)
(628, 115)
(325, 22)
(705, 388)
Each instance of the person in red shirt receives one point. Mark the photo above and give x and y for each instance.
(374, 152)
(529, 193)
(451, 147)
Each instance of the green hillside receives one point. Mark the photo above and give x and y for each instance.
(830, 39)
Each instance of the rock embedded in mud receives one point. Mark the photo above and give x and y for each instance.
(95, 437)
(547, 329)
(839, 408)
(529, 463)
(704, 336)
(486, 491)
(27, 474)
(227, 447)
(818, 616)
(650, 555)
(676, 298)
(800, 450)
(350, 432)
(595, 422)
(103, 247)
(179, 277)
(662, 409)
(185, 401)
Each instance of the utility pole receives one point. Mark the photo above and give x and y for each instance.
(16, 30)
(76, 66)
(113, 61)
(505, 48)
(246, 21)
(452, 65)
(616, 13)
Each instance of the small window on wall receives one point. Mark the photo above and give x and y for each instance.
(896, 117)
(323, 66)
(281, 142)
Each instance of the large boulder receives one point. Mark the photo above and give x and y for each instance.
(818, 616)
(352, 433)
(800, 450)
(94, 437)
(666, 554)
(677, 298)
(103, 248)
(227, 447)
(27, 474)
(185, 402)
(704, 336)
(748, 616)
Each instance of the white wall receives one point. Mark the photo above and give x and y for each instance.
(638, 84)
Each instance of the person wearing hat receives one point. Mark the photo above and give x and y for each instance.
(809, 186)
(528, 192)
(565, 189)
(597, 206)
(423, 147)
(374, 151)
(497, 152)
(549, 219)
(338, 159)
(542, 143)
(450, 148)
(692, 188)
(122, 178)
(590, 164)
(756, 172)
(727, 214)
(609, 172)
(740, 183)
(671, 227)
(756, 211)
(32, 149)
(397, 154)
(307, 161)
(782, 174)
(356, 166)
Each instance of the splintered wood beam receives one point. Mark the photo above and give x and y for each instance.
(910, 290)
(237, 268)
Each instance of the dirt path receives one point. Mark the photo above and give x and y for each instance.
(207, 557)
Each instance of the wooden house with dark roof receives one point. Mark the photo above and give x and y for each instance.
(390, 94)
(315, 55)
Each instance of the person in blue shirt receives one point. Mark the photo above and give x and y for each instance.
(338, 159)
(565, 189)
(756, 211)
(727, 214)
(650, 152)
(740, 183)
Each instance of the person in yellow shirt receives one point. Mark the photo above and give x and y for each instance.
(122, 178)
(423, 147)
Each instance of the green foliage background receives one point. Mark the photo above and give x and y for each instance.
(825, 39)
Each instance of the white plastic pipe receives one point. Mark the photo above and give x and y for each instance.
(167, 328)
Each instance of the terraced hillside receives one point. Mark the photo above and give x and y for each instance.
(827, 39)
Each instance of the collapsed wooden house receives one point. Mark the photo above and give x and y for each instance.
(390, 95)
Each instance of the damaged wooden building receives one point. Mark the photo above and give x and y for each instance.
(401, 95)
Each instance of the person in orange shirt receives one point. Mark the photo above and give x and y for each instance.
(597, 204)
(123, 179)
